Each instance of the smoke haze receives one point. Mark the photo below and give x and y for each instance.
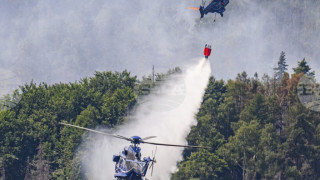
(65, 40)
(167, 113)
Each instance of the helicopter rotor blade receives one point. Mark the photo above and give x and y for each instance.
(175, 145)
(152, 169)
(155, 152)
(149, 137)
(154, 157)
(153, 160)
(152, 153)
(98, 132)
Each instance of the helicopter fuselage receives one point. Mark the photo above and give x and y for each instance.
(129, 164)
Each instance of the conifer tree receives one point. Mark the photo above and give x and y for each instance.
(281, 68)
(304, 68)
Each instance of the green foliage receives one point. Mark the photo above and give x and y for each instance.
(255, 109)
(32, 143)
(303, 68)
(202, 165)
(256, 131)
(114, 108)
(268, 159)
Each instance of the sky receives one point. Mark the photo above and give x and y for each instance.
(66, 40)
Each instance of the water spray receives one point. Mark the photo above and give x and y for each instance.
(170, 125)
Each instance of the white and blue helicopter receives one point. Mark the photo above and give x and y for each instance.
(129, 164)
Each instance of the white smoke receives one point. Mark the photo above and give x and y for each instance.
(65, 40)
(167, 114)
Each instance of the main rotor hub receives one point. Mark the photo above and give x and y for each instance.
(136, 139)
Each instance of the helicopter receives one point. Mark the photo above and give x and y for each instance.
(215, 6)
(129, 163)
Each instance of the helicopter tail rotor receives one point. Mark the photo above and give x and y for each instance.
(153, 160)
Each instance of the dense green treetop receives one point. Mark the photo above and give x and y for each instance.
(303, 68)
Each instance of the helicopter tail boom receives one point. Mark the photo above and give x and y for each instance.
(201, 12)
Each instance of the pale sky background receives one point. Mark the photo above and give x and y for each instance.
(66, 40)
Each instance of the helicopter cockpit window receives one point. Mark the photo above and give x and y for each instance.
(133, 162)
(131, 155)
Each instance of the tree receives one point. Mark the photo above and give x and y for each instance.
(297, 149)
(242, 149)
(256, 109)
(238, 90)
(281, 68)
(255, 85)
(10, 145)
(203, 165)
(267, 85)
(116, 106)
(269, 159)
(41, 166)
(303, 68)
(88, 117)
(227, 114)
(205, 133)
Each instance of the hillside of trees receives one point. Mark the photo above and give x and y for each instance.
(257, 127)
(32, 143)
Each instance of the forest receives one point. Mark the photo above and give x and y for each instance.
(32, 143)
(256, 127)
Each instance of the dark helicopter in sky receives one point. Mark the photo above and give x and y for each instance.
(215, 6)
(129, 164)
